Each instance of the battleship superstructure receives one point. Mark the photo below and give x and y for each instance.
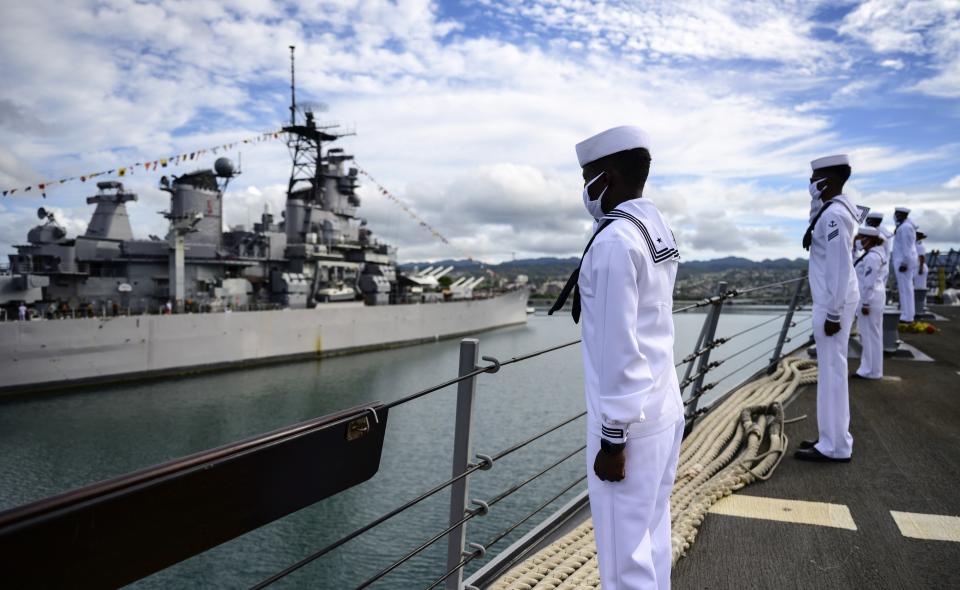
(315, 282)
(318, 251)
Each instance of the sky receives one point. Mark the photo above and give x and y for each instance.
(469, 111)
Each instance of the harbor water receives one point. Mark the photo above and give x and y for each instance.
(54, 442)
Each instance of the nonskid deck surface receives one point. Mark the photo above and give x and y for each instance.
(888, 519)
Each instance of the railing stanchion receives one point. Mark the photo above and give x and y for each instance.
(696, 347)
(466, 391)
(709, 333)
(787, 321)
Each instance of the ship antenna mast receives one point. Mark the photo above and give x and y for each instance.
(293, 92)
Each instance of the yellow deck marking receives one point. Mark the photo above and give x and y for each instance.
(932, 527)
(891, 378)
(796, 511)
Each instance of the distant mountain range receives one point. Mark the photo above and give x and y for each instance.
(552, 267)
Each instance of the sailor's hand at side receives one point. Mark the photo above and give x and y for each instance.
(610, 467)
(831, 328)
(865, 311)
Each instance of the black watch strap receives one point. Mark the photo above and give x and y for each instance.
(610, 448)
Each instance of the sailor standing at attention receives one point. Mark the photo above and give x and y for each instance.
(833, 285)
(869, 267)
(920, 281)
(875, 219)
(905, 261)
(624, 286)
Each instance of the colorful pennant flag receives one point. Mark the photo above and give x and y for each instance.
(149, 165)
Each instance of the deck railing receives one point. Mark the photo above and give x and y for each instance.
(463, 507)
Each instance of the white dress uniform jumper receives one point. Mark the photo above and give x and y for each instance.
(833, 284)
(869, 268)
(905, 254)
(920, 280)
(626, 288)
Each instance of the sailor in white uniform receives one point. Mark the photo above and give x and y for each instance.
(833, 284)
(875, 219)
(624, 288)
(920, 281)
(905, 261)
(869, 268)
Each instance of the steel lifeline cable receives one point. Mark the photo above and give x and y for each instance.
(720, 456)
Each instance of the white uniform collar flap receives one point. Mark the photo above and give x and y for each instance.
(858, 212)
(645, 216)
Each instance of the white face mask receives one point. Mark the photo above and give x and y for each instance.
(815, 202)
(593, 206)
(816, 192)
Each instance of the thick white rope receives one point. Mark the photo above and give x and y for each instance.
(736, 443)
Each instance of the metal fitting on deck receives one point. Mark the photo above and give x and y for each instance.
(491, 368)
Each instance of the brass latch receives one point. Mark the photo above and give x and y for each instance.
(358, 428)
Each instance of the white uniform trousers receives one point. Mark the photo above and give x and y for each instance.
(920, 279)
(871, 338)
(833, 399)
(631, 518)
(905, 287)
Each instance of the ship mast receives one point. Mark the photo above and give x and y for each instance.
(293, 89)
(305, 143)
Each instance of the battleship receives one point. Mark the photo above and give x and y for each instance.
(312, 283)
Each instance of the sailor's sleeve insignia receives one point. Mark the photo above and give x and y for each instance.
(833, 234)
(867, 274)
(833, 223)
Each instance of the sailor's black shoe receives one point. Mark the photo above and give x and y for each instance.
(812, 454)
(807, 444)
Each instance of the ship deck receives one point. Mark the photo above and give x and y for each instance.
(888, 519)
(906, 459)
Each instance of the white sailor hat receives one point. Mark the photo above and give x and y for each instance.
(828, 161)
(611, 141)
(866, 230)
(874, 215)
(902, 210)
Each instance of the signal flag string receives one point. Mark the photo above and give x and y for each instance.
(414, 216)
(149, 165)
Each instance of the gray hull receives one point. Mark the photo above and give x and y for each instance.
(61, 353)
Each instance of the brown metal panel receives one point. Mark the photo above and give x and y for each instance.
(120, 530)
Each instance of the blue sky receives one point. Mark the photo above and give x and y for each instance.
(469, 110)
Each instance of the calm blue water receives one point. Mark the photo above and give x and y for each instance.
(54, 443)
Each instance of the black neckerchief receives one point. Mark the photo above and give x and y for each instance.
(574, 277)
(808, 236)
(862, 256)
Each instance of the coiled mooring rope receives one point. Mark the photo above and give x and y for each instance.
(735, 444)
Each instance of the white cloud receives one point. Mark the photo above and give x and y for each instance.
(942, 229)
(756, 30)
(918, 27)
(946, 84)
(474, 128)
(953, 183)
(893, 64)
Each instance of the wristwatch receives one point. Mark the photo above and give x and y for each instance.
(610, 448)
